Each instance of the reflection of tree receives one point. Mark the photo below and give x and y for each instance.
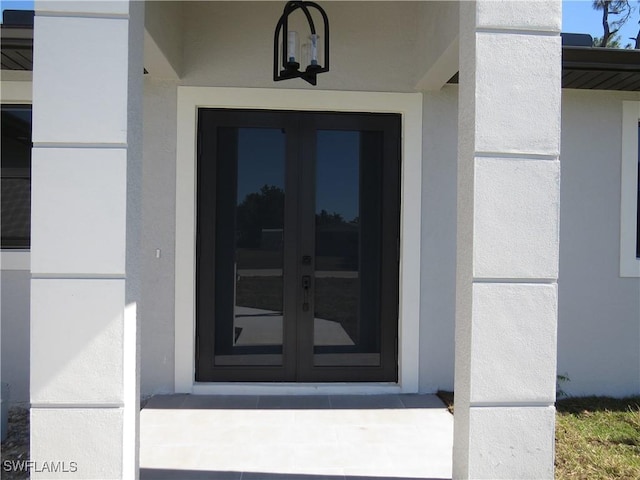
(325, 218)
(259, 211)
(336, 242)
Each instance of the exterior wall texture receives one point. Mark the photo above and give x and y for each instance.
(438, 259)
(599, 312)
(507, 242)
(87, 144)
(597, 308)
(213, 34)
(158, 237)
(15, 332)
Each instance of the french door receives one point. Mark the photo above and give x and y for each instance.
(297, 246)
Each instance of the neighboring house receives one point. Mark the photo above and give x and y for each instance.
(361, 236)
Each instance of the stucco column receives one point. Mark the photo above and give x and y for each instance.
(507, 241)
(87, 115)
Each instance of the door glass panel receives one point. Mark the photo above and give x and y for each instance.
(347, 248)
(249, 246)
(297, 234)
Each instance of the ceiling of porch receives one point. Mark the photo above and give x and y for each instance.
(379, 46)
(382, 46)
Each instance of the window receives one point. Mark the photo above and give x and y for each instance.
(630, 191)
(15, 178)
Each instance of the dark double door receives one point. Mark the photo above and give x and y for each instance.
(297, 246)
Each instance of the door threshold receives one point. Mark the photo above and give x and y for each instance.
(270, 388)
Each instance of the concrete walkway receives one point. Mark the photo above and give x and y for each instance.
(323, 437)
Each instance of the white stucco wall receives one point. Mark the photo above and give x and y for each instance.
(15, 287)
(158, 237)
(599, 312)
(438, 238)
(584, 339)
(438, 259)
(393, 59)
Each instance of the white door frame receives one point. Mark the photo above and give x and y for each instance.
(409, 105)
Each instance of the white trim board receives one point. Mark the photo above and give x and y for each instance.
(17, 92)
(629, 263)
(409, 105)
(370, 388)
(15, 260)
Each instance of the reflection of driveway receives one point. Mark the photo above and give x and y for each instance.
(277, 272)
(264, 327)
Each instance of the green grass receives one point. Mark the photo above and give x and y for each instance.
(597, 438)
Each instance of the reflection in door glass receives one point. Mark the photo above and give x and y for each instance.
(15, 185)
(347, 261)
(251, 332)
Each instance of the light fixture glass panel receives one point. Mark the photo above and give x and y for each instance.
(311, 51)
(314, 46)
(293, 47)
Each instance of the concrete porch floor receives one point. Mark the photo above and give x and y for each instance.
(319, 437)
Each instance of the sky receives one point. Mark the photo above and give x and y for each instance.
(16, 5)
(580, 17)
(577, 17)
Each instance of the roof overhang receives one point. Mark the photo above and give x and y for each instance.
(596, 68)
(17, 47)
(583, 67)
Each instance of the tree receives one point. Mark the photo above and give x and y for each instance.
(620, 10)
(613, 42)
(258, 211)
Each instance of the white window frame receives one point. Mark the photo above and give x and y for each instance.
(407, 104)
(629, 263)
(16, 93)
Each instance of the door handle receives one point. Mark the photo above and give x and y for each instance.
(306, 286)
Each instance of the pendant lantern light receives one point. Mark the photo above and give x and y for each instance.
(287, 55)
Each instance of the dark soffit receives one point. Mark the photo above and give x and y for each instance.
(583, 67)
